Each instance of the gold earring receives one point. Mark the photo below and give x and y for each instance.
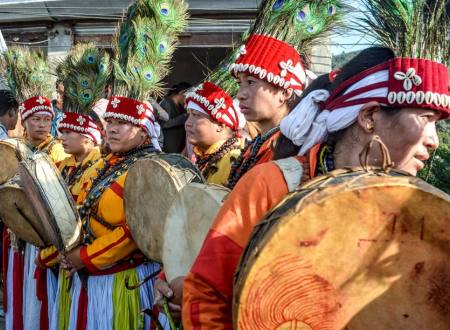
(370, 127)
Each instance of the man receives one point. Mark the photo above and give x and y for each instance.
(57, 107)
(173, 129)
(9, 113)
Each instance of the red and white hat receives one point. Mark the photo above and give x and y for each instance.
(397, 83)
(135, 112)
(272, 60)
(81, 124)
(36, 105)
(213, 101)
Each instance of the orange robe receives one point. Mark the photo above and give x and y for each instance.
(208, 288)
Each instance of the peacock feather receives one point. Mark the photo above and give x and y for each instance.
(144, 46)
(301, 23)
(412, 28)
(85, 73)
(26, 73)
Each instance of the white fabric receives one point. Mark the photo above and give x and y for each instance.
(305, 126)
(9, 290)
(295, 126)
(241, 117)
(52, 291)
(31, 305)
(194, 106)
(100, 107)
(292, 170)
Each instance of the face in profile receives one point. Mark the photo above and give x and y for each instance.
(201, 131)
(410, 136)
(74, 143)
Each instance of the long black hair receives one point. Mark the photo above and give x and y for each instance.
(366, 59)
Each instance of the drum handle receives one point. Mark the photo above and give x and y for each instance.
(364, 155)
(141, 283)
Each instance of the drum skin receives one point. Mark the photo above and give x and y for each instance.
(51, 200)
(188, 221)
(151, 186)
(10, 149)
(17, 213)
(349, 251)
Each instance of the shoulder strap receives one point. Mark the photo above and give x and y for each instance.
(292, 170)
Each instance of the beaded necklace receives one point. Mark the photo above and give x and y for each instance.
(76, 174)
(245, 163)
(208, 163)
(326, 159)
(105, 178)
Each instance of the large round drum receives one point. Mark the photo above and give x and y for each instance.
(12, 151)
(151, 186)
(17, 213)
(352, 250)
(187, 224)
(51, 200)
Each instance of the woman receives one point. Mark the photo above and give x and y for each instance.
(361, 101)
(212, 128)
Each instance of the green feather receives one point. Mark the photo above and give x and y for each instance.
(411, 28)
(301, 23)
(26, 73)
(85, 73)
(144, 46)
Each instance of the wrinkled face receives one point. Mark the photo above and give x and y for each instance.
(74, 143)
(258, 100)
(123, 136)
(409, 136)
(201, 131)
(38, 127)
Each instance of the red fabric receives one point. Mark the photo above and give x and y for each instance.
(80, 123)
(41, 292)
(117, 188)
(17, 290)
(82, 309)
(6, 242)
(216, 103)
(36, 104)
(411, 83)
(129, 107)
(49, 258)
(271, 60)
(217, 244)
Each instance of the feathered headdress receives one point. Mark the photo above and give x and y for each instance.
(144, 47)
(27, 75)
(411, 28)
(84, 73)
(301, 24)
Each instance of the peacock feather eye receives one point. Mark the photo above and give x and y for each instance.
(310, 28)
(162, 47)
(278, 4)
(331, 10)
(164, 9)
(301, 16)
(135, 69)
(148, 75)
(86, 96)
(90, 59)
(84, 83)
(102, 67)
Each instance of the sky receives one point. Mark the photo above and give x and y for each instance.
(351, 40)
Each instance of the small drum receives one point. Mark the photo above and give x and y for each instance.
(151, 186)
(51, 200)
(188, 221)
(12, 152)
(351, 250)
(17, 213)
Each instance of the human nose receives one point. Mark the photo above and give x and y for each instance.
(431, 140)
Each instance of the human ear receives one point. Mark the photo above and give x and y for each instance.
(366, 116)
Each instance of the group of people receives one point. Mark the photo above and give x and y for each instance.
(308, 126)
